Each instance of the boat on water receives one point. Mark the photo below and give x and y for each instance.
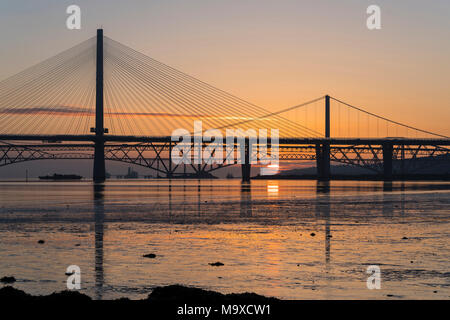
(57, 176)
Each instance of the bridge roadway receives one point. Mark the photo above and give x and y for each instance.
(282, 141)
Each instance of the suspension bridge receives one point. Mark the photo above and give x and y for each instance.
(102, 100)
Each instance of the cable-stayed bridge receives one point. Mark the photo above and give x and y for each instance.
(102, 100)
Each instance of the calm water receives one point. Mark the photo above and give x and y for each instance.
(261, 232)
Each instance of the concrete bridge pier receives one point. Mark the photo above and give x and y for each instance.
(388, 152)
(319, 160)
(246, 167)
(323, 161)
(326, 161)
(99, 161)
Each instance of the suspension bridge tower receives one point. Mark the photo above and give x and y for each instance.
(323, 149)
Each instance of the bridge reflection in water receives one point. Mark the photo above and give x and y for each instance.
(322, 213)
(323, 204)
(99, 221)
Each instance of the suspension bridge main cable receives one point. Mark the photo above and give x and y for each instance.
(283, 111)
(389, 120)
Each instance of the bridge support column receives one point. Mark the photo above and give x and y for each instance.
(388, 152)
(199, 171)
(170, 172)
(246, 167)
(323, 161)
(326, 161)
(319, 160)
(99, 161)
(99, 153)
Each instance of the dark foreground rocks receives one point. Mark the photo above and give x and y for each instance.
(182, 293)
(172, 293)
(9, 293)
(181, 302)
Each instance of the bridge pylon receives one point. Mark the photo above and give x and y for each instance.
(99, 153)
(323, 150)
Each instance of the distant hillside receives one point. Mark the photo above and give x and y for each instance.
(436, 171)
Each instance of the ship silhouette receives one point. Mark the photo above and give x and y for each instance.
(57, 176)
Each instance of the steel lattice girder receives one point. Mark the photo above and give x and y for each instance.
(157, 155)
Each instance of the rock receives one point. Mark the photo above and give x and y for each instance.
(41, 241)
(312, 234)
(182, 293)
(8, 280)
(12, 294)
(64, 296)
(216, 264)
(150, 255)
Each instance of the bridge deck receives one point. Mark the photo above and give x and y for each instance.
(283, 141)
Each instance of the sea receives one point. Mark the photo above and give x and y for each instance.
(289, 239)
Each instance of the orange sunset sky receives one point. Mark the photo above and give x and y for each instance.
(273, 53)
